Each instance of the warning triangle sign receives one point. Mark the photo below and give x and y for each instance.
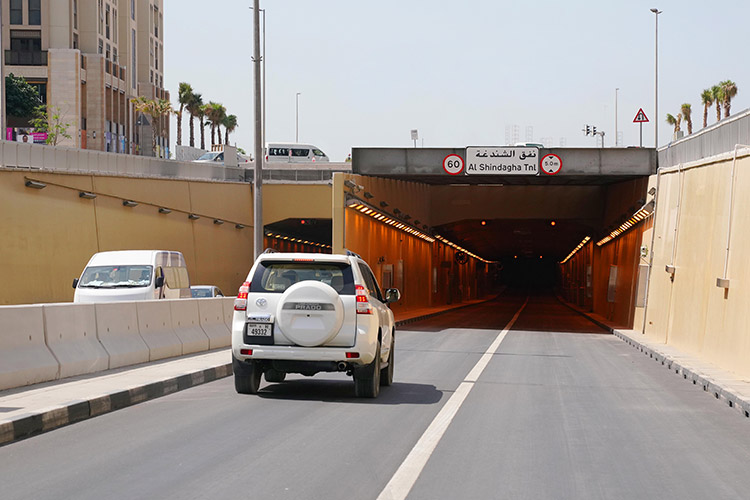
(640, 117)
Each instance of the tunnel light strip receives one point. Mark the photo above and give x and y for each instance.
(462, 249)
(296, 240)
(575, 250)
(366, 209)
(644, 213)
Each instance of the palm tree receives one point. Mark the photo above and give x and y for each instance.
(675, 122)
(201, 114)
(156, 109)
(215, 114)
(686, 111)
(230, 124)
(184, 95)
(729, 90)
(718, 95)
(707, 99)
(193, 107)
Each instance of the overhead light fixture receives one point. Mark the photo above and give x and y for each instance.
(407, 217)
(461, 249)
(350, 184)
(218, 222)
(87, 195)
(239, 226)
(297, 240)
(35, 184)
(368, 195)
(193, 217)
(417, 222)
(383, 204)
(129, 203)
(652, 191)
(387, 219)
(580, 245)
(397, 211)
(640, 215)
(163, 210)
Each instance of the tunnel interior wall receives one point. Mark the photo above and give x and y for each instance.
(691, 232)
(49, 234)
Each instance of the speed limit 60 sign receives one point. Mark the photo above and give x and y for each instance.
(453, 164)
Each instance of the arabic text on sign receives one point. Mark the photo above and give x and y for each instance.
(502, 160)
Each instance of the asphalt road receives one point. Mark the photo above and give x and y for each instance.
(560, 410)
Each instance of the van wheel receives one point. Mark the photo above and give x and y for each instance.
(386, 374)
(272, 375)
(367, 378)
(246, 376)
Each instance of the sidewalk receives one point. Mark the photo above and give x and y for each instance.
(31, 410)
(721, 384)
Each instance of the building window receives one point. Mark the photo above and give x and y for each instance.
(16, 12)
(133, 66)
(75, 14)
(101, 17)
(107, 54)
(101, 46)
(114, 55)
(106, 22)
(75, 40)
(35, 12)
(114, 25)
(132, 10)
(156, 21)
(156, 58)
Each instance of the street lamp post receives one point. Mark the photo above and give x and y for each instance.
(258, 170)
(296, 117)
(656, 77)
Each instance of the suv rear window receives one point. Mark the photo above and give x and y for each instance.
(277, 276)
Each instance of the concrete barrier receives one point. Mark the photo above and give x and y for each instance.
(186, 324)
(211, 315)
(155, 327)
(70, 331)
(24, 357)
(117, 329)
(228, 303)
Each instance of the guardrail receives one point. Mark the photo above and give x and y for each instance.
(45, 342)
(62, 159)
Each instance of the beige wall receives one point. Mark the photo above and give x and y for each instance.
(691, 312)
(49, 234)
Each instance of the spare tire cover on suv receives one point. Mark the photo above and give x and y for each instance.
(310, 313)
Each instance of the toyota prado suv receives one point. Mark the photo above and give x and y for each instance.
(308, 313)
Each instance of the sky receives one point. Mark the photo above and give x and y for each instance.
(461, 73)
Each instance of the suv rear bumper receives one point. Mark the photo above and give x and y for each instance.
(365, 347)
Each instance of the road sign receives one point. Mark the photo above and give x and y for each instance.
(502, 160)
(640, 117)
(551, 164)
(453, 164)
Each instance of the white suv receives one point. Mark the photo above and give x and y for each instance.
(308, 313)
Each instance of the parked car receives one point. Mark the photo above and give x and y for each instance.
(133, 275)
(294, 153)
(205, 291)
(308, 313)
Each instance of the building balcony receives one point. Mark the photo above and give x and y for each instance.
(25, 58)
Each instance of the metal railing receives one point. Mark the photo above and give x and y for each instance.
(716, 139)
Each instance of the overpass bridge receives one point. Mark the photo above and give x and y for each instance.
(596, 228)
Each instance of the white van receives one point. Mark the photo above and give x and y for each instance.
(133, 275)
(294, 153)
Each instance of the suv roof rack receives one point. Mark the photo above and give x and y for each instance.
(352, 254)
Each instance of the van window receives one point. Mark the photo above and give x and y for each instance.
(318, 152)
(300, 152)
(278, 151)
(116, 277)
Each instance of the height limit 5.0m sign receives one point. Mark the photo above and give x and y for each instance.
(453, 164)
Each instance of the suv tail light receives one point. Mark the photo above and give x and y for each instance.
(363, 303)
(240, 303)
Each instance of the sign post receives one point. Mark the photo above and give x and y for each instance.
(641, 118)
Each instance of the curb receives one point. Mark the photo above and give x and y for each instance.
(76, 411)
(718, 389)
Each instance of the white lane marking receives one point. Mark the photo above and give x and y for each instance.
(403, 480)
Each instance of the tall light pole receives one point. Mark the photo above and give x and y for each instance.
(296, 117)
(258, 170)
(656, 77)
(616, 90)
(3, 100)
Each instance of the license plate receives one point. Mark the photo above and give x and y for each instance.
(259, 329)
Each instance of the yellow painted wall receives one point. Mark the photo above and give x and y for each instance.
(48, 235)
(692, 313)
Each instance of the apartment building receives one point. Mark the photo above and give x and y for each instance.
(89, 58)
